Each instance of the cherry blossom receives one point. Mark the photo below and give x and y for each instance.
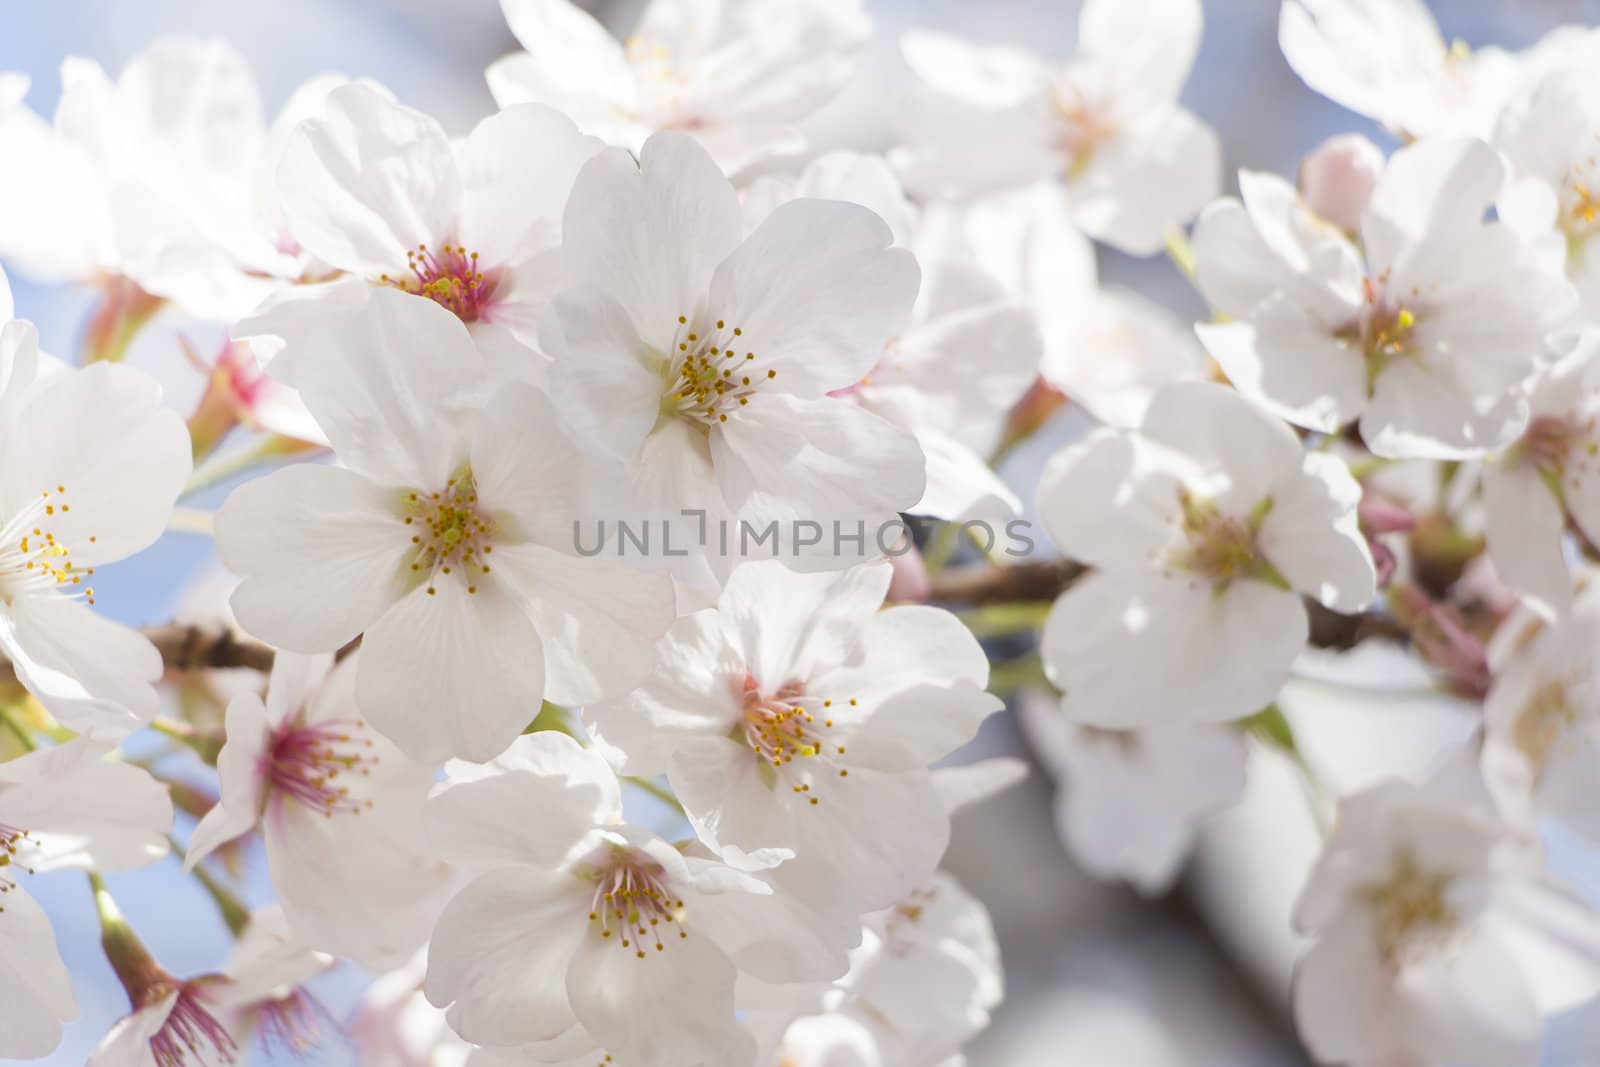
(1419, 911)
(1204, 528)
(1106, 348)
(1386, 59)
(1136, 165)
(337, 806)
(1550, 132)
(90, 465)
(1128, 801)
(582, 918)
(441, 541)
(926, 382)
(701, 360)
(1546, 475)
(62, 808)
(377, 191)
(736, 76)
(159, 176)
(1542, 722)
(798, 715)
(1426, 333)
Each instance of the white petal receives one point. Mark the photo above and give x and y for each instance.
(606, 381)
(1227, 433)
(321, 552)
(353, 885)
(1121, 646)
(517, 170)
(35, 989)
(500, 955)
(239, 778)
(87, 670)
(451, 673)
(1524, 526)
(369, 181)
(817, 291)
(1148, 181)
(571, 62)
(672, 1007)
(1110, 501)
(788, 626)
(101, 433)
(483, 818)
(1312, 538)
(388, 384)
(83, 810)
(598, 619)
(822, 460)
(652, 233)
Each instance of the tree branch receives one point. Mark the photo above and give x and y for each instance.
(1045, 580)
(196, 647)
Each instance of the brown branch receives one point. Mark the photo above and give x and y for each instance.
(195, 647)
(1043, 581)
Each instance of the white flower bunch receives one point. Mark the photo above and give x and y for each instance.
(616, 529)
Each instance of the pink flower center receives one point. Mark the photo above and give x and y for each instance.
(310, 764)
(1552, 443)
(791, 723)
(450, 278)
(292, 1023)
(632, 899)
(192, 1031)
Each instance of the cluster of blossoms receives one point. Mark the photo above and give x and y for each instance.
(578, 798)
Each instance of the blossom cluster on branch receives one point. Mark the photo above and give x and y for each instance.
(616, 523)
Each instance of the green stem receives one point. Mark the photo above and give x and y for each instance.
(1181, 252)
(233, 910)
(663, 795)
(21, 733)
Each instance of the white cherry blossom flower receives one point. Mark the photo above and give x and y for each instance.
(158, 176)
(798, 715)
(1427, 917)
(90, 465)
(61, 808)
(1128, 801)
(1425, 333)
(337, 806)
(378, 191)
(736, 76)
(1105, 348)
(268, 1000)
(395, 1026)
(583, 919)
(1551, 134)
(1204, 528)
(442, 540)
(702, 360)
(1136, 164)
(1542, 723)
(927, 381)
(922, 984)
(1549, 473)
(1387, 60)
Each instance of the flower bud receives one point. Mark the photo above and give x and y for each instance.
(1338, 177)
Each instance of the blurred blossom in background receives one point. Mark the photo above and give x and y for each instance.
(1096, 974)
